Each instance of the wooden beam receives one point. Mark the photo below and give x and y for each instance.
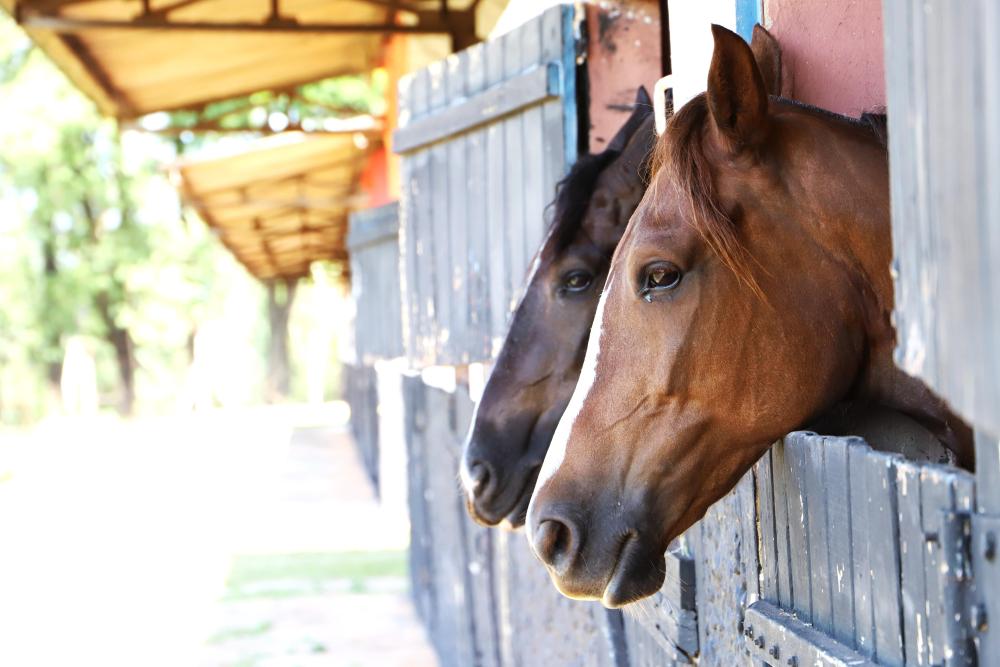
(429, 24)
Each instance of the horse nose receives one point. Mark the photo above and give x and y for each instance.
(479, 475)
(555, 542)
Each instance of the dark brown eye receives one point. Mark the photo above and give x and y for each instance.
(576, 281)
(657, 278)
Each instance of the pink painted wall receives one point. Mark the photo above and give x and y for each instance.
(623, 53)
(832, 51)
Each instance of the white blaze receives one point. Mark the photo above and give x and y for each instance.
(557, 449)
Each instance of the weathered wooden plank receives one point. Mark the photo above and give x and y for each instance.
(944, 147)
(780, 473)
(912, 545)
(746, 495)
(819, 553)
(533, 140)
(556, 112)
(883, 537)
(935, 496)
(456, 351)
(496, 205)
(476, 341)
(440, 325)
(408, 279)
(519, 92)
(421, 541)
(864, 620)
(836, 481)
(796, 451)
(768, 548)
(776, 635)
(423, 251)
(513, 162)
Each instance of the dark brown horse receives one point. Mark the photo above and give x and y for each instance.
(749, 295)
(540, 360)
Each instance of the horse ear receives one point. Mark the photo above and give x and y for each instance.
(641, 110)
(737, 97)
(767, 53)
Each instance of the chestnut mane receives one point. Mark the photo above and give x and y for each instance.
(679, 149)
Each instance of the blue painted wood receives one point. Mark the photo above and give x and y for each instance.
(748, 12)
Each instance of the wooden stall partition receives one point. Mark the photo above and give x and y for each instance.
(943, 75)
(484, 137)
(854, 555)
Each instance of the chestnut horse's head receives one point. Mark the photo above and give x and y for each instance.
(539, 362)
(746, 297)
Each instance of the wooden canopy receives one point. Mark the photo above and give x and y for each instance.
(283, 203)
(134, 57)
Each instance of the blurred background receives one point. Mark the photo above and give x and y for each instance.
(177, 481)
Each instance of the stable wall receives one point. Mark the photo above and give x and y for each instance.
(832, 52)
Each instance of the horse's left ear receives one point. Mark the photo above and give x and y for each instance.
(641, 110)
(737, 97)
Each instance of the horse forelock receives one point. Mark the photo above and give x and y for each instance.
(573, 195)
(679, 151)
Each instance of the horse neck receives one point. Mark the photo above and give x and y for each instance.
(861, 236)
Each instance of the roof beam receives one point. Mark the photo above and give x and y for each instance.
(429, 23)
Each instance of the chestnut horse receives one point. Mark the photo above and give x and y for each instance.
(749, 295)
(540, 359)
(539, 362)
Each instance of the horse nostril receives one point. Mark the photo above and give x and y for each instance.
(479, 478)
(553, 542)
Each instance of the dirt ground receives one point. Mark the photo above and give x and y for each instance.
(246, 539)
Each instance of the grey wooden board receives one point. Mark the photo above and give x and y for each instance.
(819, 555)
(722, 577)
(836, 482)
(779, 472)
(767, 535)
(373, 225)
(479, 558)
(458, 221)
(476, 190)
(912, 546)
(883, 540)
(477, 341)
(797, 490)
(668, 618)
(943, 93)
(864, 612)
(373, 243)
(644, 650)
(525, 90)
(772, 631)
(421, 541)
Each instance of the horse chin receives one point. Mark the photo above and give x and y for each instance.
(636, 575)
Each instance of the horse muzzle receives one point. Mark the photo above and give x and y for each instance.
(494, 495)
(610, 561)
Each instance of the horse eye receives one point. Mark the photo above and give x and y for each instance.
(576, 281)
(657, 278)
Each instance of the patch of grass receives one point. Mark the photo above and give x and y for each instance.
(240, 633)
(304, 573)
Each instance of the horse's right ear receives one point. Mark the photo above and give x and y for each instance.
(767, 53)
(641, 110)
(736, 94)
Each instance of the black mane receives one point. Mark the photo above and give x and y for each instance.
(573, 196)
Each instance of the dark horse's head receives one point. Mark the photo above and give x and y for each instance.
(539, 362)
(750, 293)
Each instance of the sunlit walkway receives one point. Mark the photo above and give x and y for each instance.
(227, 539)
